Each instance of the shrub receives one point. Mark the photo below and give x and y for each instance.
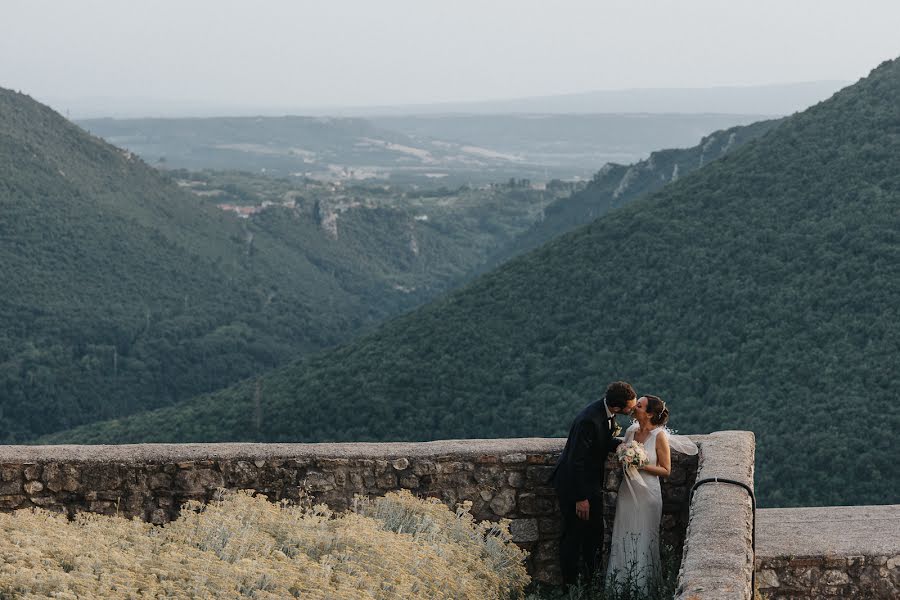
(243, 546)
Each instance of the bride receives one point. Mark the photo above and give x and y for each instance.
(634, 550)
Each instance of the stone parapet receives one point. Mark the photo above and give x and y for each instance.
(832, 552)
(718, 548)
(502, 478)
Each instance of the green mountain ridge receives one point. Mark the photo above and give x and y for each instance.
(118, 283)
(756, 293)
(124, 292)
(615, 185)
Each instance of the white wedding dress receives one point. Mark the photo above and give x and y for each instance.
(634, 550)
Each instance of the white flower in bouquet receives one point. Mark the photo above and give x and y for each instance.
(632, 454)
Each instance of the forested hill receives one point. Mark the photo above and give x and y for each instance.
(759, 292)
(615, 185)
(122, 292)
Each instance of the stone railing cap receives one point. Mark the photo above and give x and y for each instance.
(155, 453)
(718, 559)
(829, 531)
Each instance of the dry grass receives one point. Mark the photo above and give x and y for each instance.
(244, 546)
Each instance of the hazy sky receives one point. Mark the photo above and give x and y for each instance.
(371, 52)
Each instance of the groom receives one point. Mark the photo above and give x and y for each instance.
(578, 479)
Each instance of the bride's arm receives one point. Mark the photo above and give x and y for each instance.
(663, 465)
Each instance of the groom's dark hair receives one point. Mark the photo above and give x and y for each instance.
(619, 393)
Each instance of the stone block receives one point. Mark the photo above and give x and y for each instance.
(423, 467)
(835, 562)
(160, 481)
(400, 464)
(103, 507)
(674, 495)
(677, 476)
(524, 530)
(340, 478)
(386, 481)
(61, 477)
(504, 502)
(107, 476)
(33, 472)
(516, 479)
(767, 579)
(536, 475)
(468, 492)
(33, 487)
(489, 475)
(11, 501)
(240, 474)
(540, 459)
(198, 481)
(835, 577)
(513, 458)
(10, 487)
(10, 472)
(550, 527)
(487, 459)
(133, 506)
(409, 482)
(613, 479)
(533, 504)
(274, 478)
(451, 467)
(109, 494)
(459, 479)
(317, 481)
(806, 561)
(44, 501)
(547, 549)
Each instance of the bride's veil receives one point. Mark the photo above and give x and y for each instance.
(681, 443)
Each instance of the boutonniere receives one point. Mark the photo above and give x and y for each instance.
(616, 430)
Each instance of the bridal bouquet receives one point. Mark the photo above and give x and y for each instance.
(631, 455)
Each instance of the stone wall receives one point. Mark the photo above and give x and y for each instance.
(831, 552)
(718, 546)
(502, 478)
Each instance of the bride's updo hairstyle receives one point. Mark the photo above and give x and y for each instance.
(656, 408)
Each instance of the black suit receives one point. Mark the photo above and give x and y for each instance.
(579, 475)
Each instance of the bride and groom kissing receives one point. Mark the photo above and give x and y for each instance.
(579, 479)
